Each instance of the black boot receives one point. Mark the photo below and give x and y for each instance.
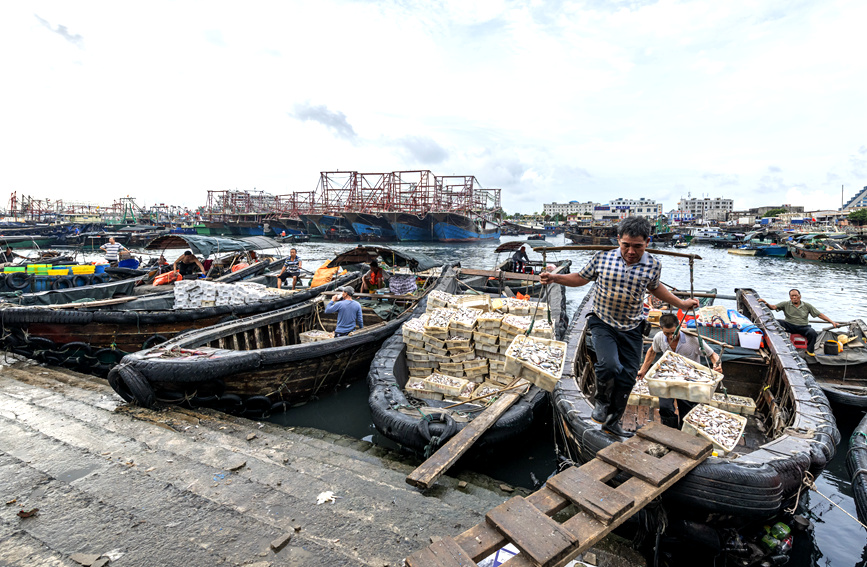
(619, 400)
(600, 412)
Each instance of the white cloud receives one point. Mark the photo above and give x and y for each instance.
(550, 101)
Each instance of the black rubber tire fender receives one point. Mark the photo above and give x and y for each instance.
(100, 278)
(41, 344)
(279, 407)
(442, 421)
(199, 370)
(170, 397)
(18, 280)
(230, 403)
(79, 348)
(105, 360)
(257, 403)
(81, 280)
(63, 282)
(153, 340)
(131, 385)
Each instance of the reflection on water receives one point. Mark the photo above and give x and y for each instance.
(839, 291)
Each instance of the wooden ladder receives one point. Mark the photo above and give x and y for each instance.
(527, 523)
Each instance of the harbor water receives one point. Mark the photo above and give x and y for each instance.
(838, 291)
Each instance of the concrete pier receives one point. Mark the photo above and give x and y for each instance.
(120, 485)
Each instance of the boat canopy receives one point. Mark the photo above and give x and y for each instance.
(208, 245)
(366, 254)
(514, 245)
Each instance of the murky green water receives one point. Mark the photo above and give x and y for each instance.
(838, 291)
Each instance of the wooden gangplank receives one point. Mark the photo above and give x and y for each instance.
(527, 523)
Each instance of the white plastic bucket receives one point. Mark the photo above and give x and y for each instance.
(750, 340)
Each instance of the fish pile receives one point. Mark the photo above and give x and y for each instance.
(438, 299)
(539, 360)
(191, 294)
(736, 404)
(464, 319)
(676, 368)
(721, 427)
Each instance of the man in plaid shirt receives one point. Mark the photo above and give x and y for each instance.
(622, 276)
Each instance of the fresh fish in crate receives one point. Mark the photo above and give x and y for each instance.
(721, 426)
(674, 369)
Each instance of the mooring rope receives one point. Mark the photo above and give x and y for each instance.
(809, 482)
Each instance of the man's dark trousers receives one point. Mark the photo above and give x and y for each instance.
(618, 358)
(805, 330)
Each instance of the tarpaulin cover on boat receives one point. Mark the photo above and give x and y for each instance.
(514, 245)
(854, 350)
(58, 296)
(207, 245)
(366, 254)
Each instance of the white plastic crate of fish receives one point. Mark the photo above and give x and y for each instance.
(459, 343)
(419, 389)
(675, 376)
(437, 324)
(722, 428)
(640, 395)
(455, 369)
(466, 392)
(482, 338)
(315, 335)
(464, 320)
(421, 371)
(437, 299)
(489, 322)
(488, 389)
(741, 405)
(444, 384)
(541, 360)
(515, 306)
(514, 325)
(482, 302)
(542, 329)
(414, 328)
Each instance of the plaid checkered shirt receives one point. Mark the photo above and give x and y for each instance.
(618, 295)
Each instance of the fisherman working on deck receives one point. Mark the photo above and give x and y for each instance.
(797, 314)
(187, 263)
(686, 345)
(519, 258)
(348, 312)
(617, 322)
(291, 268)
(374, 279)
(112, 251)
(7, 258)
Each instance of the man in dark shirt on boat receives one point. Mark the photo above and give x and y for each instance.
(518, 259)
(348, 312)
(7, 258)
(622, 277)
(797, 320)
(187, 264)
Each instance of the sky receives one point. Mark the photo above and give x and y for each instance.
(764, 102)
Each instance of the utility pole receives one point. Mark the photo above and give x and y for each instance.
(841, 198)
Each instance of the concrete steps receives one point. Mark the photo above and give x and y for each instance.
(182, 487)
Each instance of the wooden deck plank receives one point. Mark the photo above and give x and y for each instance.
(429, 471)
(535, 534)
(442, 553)
(628, 458)
(692, 447)
(592, 495)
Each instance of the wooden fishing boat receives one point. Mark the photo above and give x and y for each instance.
(843, 375)
(403, 421)
(93, 337)
(261, 364)
(856, 464)
(503, 277)
(792, 432)
(744, 251)
(594, 235)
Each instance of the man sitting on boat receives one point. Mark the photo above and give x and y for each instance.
(7, 258)
(622, 275)
(187, 264)
(672, 339)
(291, 268)
(348, 312)
(374, 279)
(797, 315)
(519, 258)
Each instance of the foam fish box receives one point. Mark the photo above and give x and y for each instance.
(701, 420)
(464, 320)
(740, 405)
(483, 338)
(480, 302)
(414, 328)
(453, 368)
(314, 336)
(701, 392)
(489, 322)
(458, 342)
(445, 384)
(514, 324)
(489, 389)
(418, 389)
(467, 392)
(421, 371)
(437, 299)
(524, 350)
(640, 396)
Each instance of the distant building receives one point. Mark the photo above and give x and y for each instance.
(859, 200)
(570, 208)
(760, 211)
(622, 208)
(704, 208)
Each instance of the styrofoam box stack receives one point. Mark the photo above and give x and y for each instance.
(463, 320)
(190, 294)
(514, 306)
(437, 299)
(419, 389)
(489, 323)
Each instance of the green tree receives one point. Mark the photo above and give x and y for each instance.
(774, 212)
(859, 216)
